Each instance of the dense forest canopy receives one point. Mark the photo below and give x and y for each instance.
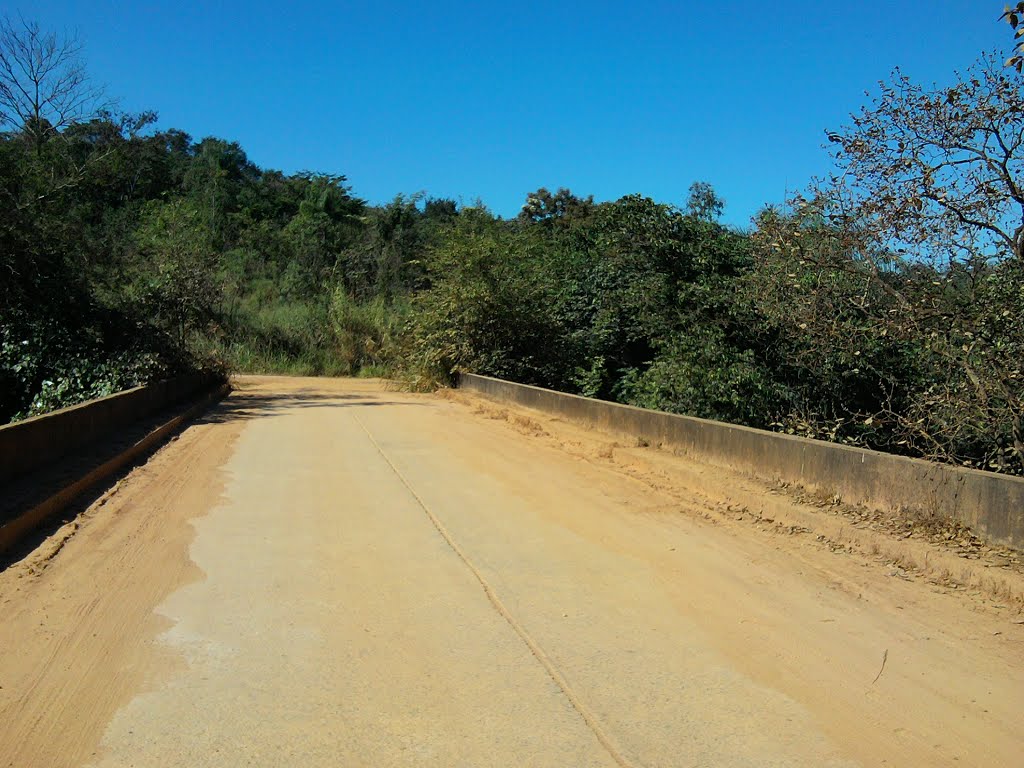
(882, 307)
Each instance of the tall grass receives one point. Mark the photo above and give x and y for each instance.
(369, 338)
(327, 335)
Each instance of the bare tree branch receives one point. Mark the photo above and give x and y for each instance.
(44, 87)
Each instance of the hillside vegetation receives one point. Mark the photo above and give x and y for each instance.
(884, 307)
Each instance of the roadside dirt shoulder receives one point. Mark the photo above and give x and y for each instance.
(861, 618)
(78, 642)
(944, 555)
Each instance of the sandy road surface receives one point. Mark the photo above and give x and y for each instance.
(327, 573)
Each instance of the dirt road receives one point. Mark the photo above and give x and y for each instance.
(328, 573)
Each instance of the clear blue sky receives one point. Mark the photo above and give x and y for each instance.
(493, 100)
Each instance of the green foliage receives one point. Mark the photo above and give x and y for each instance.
(701, 374)
(703, 203)
(175, 283)
(653, 271)
(369, 337)
(885, 309)
(559, 209)
(584, 305)
(911, 358)
(268, 334)
(491, 306)
(47, 364)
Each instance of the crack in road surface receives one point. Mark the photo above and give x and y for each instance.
(535, 649)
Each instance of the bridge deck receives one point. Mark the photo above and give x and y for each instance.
(328, 573)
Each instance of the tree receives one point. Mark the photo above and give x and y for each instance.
(703, 203)
(397, 238)
(217, 172)
(45, 93)
(440, 210)
(176, 285)
(44, 87)
(906, 268)
(492, 305)
(316, 235)
(544, 207)
(939, 169)
(1013, 17)
(653, 274)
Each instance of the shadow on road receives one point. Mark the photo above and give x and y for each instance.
(242, 405)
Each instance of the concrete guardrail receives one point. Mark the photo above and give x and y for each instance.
(35, 442)
(13, 530)
(991, 504)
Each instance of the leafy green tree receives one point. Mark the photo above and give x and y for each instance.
(703, 202)
(651, 265)
(700, 373)
(543, 207)
(213, 180)
(398, 236)
(491, 305)
(440, 210)
(176, 284)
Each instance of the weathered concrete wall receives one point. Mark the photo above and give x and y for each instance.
(13, 530)
(33, 443)
(992, 504)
